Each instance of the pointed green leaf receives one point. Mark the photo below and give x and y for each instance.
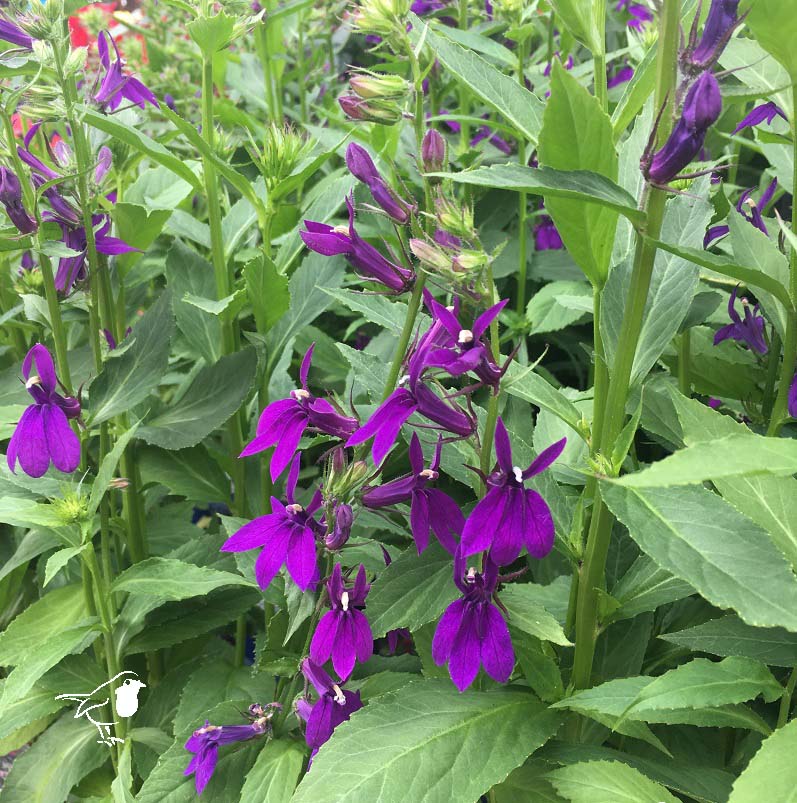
(387, 748)
(771, 774)
(697, 536)
(607, 782)
(275, 773)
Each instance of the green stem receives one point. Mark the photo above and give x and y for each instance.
(485, 456)
(780, 408)
(224, 279)
(522, 201)
(653, 200)
(406, 333)
(772, 377)
(300, 68)
(464, 96)
(600, 78)
(785, 700)
(684, 357)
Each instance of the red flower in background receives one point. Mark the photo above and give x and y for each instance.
(80, 36)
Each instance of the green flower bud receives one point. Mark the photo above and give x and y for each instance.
(376, 85)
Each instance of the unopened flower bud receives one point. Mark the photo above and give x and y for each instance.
(119, 483)
(434, 154)
(703, 103)
(470, 260)
(384, 112)
(377, 85)
(71, 406)
(381, 17)
(11, 199)
(454, 218)
(104, 163)
(721, 22)
(341, 530)
(430, 255)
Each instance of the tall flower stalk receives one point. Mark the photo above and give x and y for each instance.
(787, 370)
(653, 202)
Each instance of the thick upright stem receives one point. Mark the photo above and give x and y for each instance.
(780, 408)
(593, 568)
(224, 279)
(522, 200)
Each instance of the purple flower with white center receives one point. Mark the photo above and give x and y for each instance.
(343, 633)
(333, 706)
(465, 350)
(11, 199)
(204, 743)
(43, 434)
(701, 109)
(11, 32)
(363, 168)
(430, 508)
(472, 632)
(749, 331)
(511, 516)
(721, 22)
(753, 217)
(766, 112)
(287, 536)
(362, 256)
(115, 85)
(283, 422)
(791, 404)
(384, 425)
(73, 269)
(639, 15)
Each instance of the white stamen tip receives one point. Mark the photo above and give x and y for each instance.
(340, 229)
(428, 474)
(344, 600)
(450, 307)
(471, 576)
(34, 380)
(404, 379)
(518, 472)
(294, 509)
(465, 336)
(300, 393)
(340, 697)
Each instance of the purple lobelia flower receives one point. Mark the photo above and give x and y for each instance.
(511, 516)
(722, 20)
(11, 199)
(11, 32)
(472, 632)
(792, 398)
(72, 269)
(430, 508)
(485, 132)
(701, 109)
(287, 536)
(363, 168)
(333, 706)
(204, 743)
(384, 425)
(283, 422)
(766, 112)
(465, 349)
(639, 14)
(343, 633)
(749, 331)
(546, 235)
(43, 434)
(363, 257)
(115, 85)
(753, 217)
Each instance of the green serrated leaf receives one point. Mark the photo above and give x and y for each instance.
(173, 579)
(607, 782)
(385, 747)
(215, 394)
(275, 773)
(191, 473)
(772, 772)
(526, 614)
(697, 536)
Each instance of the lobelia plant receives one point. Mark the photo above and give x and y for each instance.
(409, 399)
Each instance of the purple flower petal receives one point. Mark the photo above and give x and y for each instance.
(545, 458)
(539, 532)
(324, 638)
(446, 632)
(497, 655)
(63, 444)
(419, 520)
(463, 663)
(29, 444)
(301, 558)
(479, 530)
